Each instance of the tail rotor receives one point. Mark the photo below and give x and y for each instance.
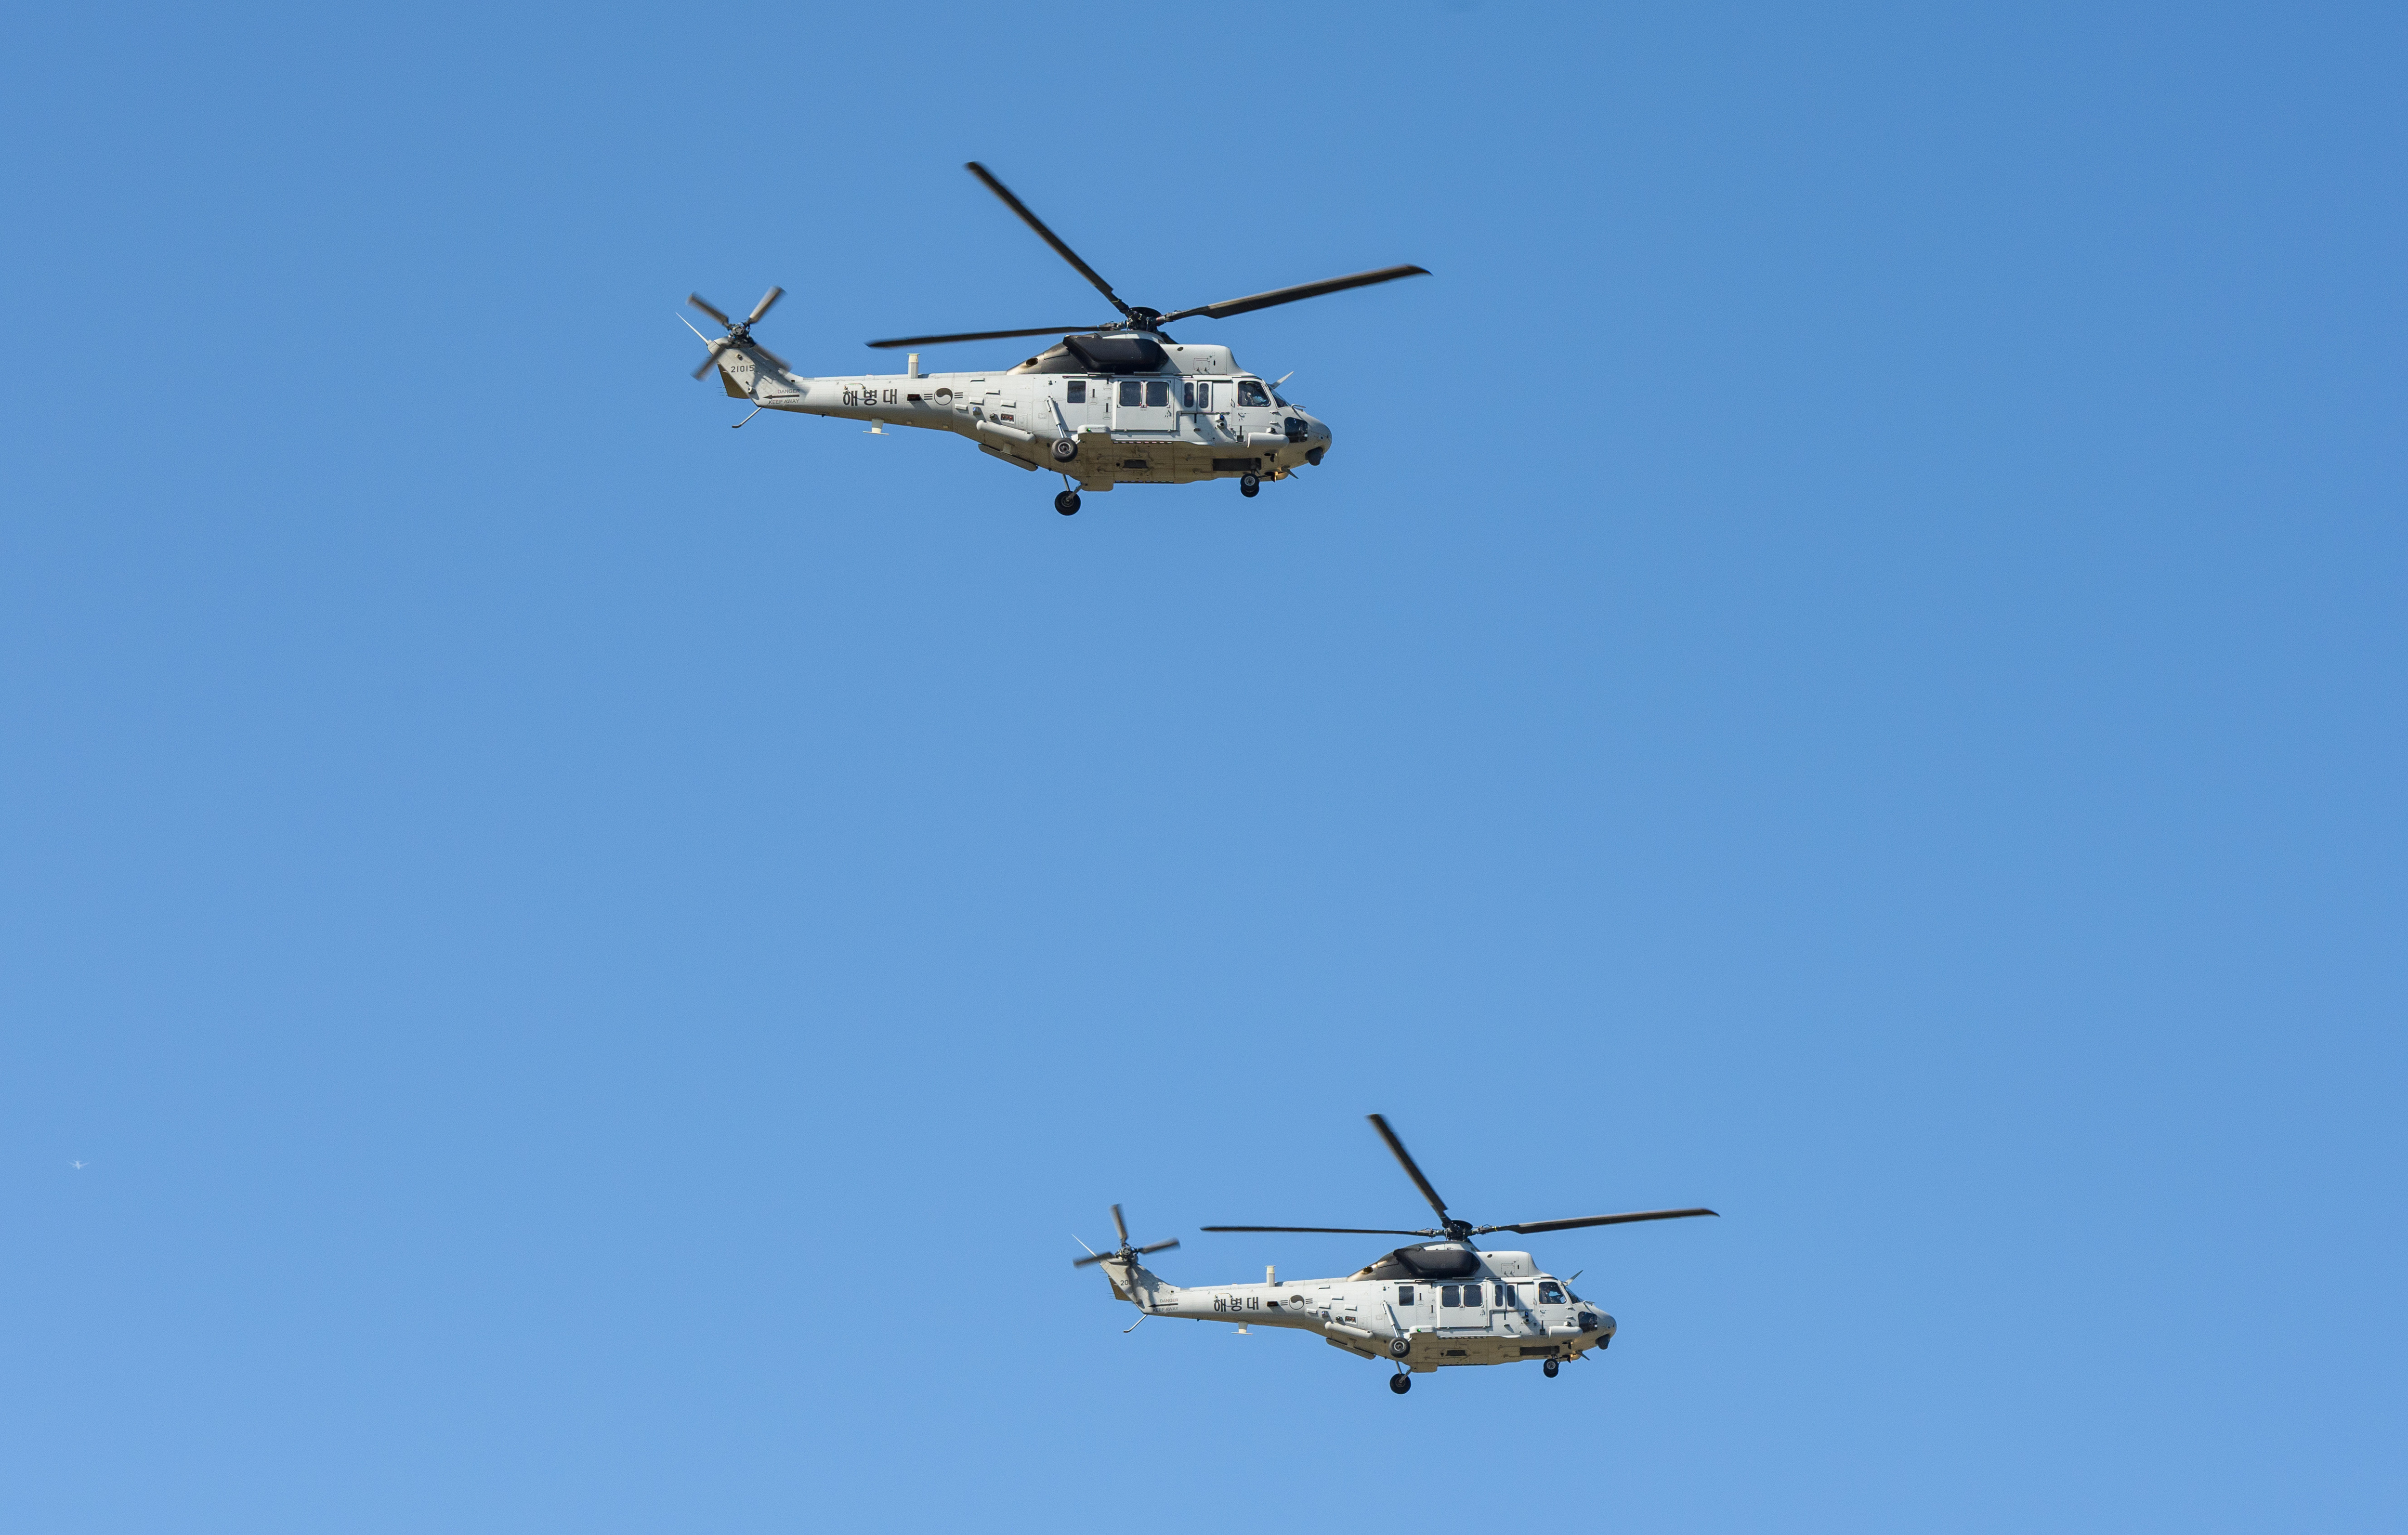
(1126, 1254)
(739, 332)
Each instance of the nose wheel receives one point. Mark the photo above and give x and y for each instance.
(1249, 484)
(1068, 503)
(1551, 1366)
(1401, 1382)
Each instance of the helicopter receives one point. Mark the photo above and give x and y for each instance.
(1117, 404)
(1428, 1306)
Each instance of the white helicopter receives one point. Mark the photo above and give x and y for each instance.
(1116, 404)
(1425, 1307)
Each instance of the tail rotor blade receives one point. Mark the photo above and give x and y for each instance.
(710, 359)
(1121, 1225)
(1092, 1257)
(707, 308)
(762, 308)
(1160, 1246)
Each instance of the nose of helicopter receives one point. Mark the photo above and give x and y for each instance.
(1317, 438)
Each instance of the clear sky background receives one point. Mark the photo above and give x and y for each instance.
(1846, 665)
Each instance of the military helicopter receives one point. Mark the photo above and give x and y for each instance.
(1116, 404)
(1423, 1307)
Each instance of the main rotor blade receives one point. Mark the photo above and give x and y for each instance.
(1121, 1225)
(981, 335)
(1033, 221)
(707, 308)
(1160, 1246)
(1228, 307)
(1340, 1230)
(1411, 1170)
(762, 308)
(1528, 1227)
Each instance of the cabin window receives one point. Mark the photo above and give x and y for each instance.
(1449, 1294)
(1251, 391)
(1157, 392)
(1509, 1294)
(1203, 396)
(1550, 1293)
(1404, 1295)
(1132, 392)
(1078, 391)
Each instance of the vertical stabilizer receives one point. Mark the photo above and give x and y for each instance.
(1138, 1285)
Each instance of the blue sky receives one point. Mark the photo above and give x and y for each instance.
(1846, 667)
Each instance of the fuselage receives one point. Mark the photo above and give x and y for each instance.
(1444, 1303)
(1130, 407)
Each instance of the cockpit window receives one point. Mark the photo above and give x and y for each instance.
(1550, 1293)
(1251, 391)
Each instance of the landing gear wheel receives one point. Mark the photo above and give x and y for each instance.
(1067, 503)
(1249, 485)
(1399, 1347)
(1064, 450)
(1550, 1367)
(1402, 1384)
